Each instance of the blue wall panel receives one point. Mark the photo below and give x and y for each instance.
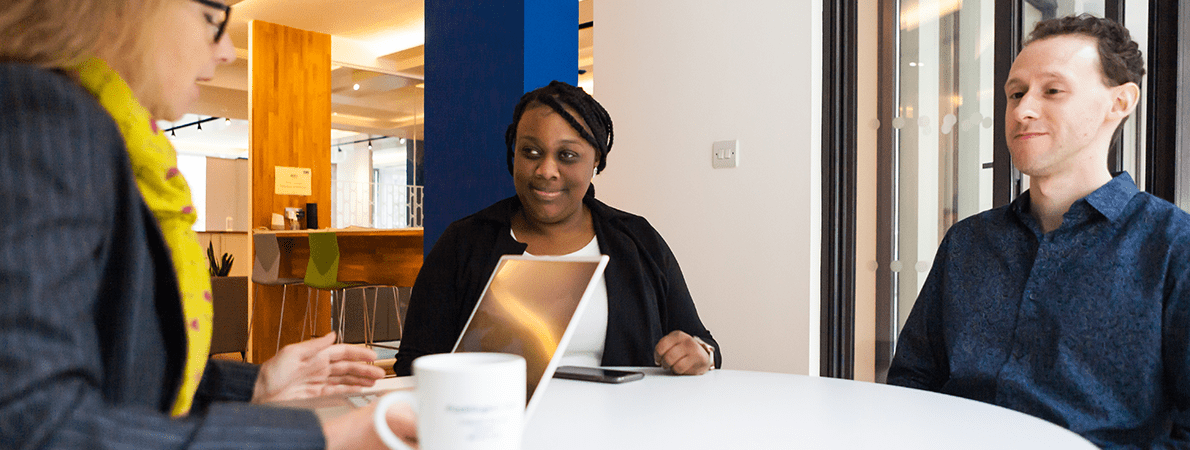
(480, 57)
(551, 42)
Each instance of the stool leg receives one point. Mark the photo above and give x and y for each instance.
(308, 318)
(342, 313)
(396, 311)
(251, 321)
(317, 297)
(363, 299)
(280, 321)
(370, 325)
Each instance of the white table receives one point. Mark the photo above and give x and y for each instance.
(730, 409)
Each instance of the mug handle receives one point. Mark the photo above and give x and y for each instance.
(381, 422)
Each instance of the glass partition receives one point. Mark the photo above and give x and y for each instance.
(941, 132)
(936, 125)
(376, 149)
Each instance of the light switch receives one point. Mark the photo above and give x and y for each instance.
(725, 154)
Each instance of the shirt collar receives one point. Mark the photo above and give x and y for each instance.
(1109, 200)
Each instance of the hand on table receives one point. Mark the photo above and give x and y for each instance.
(682, 354)
(313, 368)
(355, 429)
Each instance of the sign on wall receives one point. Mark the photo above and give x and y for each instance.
(292, 181)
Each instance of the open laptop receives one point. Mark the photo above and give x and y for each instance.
(530, 307)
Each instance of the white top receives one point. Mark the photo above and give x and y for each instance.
(728, 409)
(586, 345)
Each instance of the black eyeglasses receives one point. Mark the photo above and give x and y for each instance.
(219, 24)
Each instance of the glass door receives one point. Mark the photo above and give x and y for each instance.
(936, 134)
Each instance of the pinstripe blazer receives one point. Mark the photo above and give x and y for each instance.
(91, 336)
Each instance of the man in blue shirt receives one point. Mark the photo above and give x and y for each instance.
(1072, 303)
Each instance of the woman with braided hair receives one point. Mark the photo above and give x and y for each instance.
(641, 313)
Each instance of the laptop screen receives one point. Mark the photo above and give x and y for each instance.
(527, 309)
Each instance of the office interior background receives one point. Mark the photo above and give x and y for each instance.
(864, 130)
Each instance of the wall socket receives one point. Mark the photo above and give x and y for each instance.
(725, 154)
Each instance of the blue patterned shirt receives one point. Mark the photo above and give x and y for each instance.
(1084, 326)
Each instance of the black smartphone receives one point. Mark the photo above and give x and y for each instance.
(597, 374)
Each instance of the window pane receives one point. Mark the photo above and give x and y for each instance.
(944, 124)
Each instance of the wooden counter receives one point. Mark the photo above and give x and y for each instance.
(389, 257)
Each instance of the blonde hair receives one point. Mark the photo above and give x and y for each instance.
(58, 34)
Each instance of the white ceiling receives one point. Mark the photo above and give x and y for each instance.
(378, 44)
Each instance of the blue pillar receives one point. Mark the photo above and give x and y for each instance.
(481, 55)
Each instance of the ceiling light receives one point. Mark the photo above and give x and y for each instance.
(420, 85)
(200, 125)
(356, 87)
(172, 133)
(369, 144)
(340, 149)
(402, 140)
(227, 120)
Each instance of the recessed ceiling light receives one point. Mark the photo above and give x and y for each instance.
(356, 87)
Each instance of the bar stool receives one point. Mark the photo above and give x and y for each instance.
(322, 273)
(265, 267)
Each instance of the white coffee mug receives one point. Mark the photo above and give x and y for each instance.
(468, 401)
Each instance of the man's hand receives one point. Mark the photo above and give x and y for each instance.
(313, 368)
(680, 353)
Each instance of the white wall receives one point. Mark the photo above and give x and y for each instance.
(229, 187)
(194, 170)
(677, 76)
(351, 186)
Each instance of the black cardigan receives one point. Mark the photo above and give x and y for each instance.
(646, 294)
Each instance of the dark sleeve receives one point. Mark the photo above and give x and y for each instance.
(430, 323)
(920, 360)
(227, 381)
(57, 193)
(1176, 336)
(678, 311)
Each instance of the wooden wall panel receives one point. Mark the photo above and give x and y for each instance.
(290, 116)
(290, 121)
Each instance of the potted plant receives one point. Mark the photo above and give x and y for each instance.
(229, 296)
(220, 267)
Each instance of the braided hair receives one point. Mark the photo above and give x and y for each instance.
(559, 96)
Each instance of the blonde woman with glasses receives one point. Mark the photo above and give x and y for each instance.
(105, 313)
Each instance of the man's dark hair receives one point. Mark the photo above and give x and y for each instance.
(559, 96)
(1119, 57)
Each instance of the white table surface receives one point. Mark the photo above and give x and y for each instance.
(730, 409)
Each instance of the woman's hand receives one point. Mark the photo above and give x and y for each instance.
(313, 368)
(682, 354)
(355, 430)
